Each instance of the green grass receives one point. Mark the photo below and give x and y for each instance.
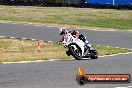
(105, 50)
(105, 18)
(12, 50)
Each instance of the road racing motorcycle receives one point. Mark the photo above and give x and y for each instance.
(77, 48)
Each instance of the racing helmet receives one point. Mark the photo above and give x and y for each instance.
(62, 31)
(74, 32)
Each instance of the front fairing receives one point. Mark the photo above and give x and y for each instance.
(68, 39)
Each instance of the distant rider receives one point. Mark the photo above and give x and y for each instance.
(74, 33)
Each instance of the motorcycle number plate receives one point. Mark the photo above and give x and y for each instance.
(71, 40)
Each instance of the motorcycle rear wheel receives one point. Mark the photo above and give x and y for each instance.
(93, 54)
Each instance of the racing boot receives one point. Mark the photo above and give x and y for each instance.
(87, 48)
(68, 53)
(87, 45)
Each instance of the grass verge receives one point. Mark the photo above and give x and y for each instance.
(12, 50)
(106, 18)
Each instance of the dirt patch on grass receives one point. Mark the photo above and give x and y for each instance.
(12, 50)
(19, 50)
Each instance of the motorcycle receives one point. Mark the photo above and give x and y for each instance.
(77, 48)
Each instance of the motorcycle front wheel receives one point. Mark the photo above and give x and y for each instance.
(76, 53)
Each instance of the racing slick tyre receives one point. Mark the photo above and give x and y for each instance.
(93, 54)
(75, 53)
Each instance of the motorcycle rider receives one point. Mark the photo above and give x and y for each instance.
(74, 33)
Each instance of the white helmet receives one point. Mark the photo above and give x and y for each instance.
(62, 31)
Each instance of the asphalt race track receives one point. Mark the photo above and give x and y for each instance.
(62, 74)
(44, 32)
